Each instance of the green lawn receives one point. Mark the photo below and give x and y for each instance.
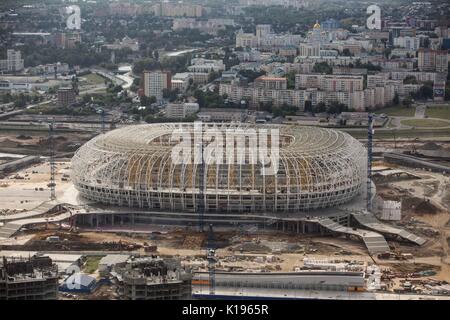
(442, 112)
(401, 111)
(425, 123)
(91, 264)
(93, 78)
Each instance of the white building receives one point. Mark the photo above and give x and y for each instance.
(265, 38)
(411, 43)
(181, 110)
(13, 62)
(210, 26)
(155, 82)
(206, 65)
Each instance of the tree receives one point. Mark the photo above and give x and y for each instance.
(410, 80)
(145, 64)
(407, 102)
(147, 101)
(425, 92)
(320, 107)
(171, 95)
(346, 52)
(396, 100)
(291, 79)
(322, 67)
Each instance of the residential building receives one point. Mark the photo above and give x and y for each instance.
(13, 62)
(411, 43)
(276, 83)
(347, 83)
(206, 65)
(155, 82)
(266, 39)
(167, 9)
(181, 110)
(433, 60)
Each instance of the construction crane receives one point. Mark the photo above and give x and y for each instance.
(369, 161)
(211, 258)
(52, 183)
(101, 111)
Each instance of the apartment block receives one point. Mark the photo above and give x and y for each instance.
(13, 62)
(155, 82)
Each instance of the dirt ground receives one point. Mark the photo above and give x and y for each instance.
(27, 188)
(37, 143)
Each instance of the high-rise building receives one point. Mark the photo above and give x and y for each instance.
(66, 40)
(155, 82)
(433, 60)
(13, 62)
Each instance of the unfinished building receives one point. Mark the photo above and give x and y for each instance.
(134, 166)
(152, 278)
(34, 278)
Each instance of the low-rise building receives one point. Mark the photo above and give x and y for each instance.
(181, 110)
(221, 115)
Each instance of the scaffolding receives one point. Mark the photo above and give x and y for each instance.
(133, 166)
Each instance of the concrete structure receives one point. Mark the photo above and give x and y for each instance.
(153, 279)
(66, 97)
(155, 82)
(303, 280)
(35, 278)
(132, 167)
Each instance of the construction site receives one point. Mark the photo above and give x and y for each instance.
(343, 219)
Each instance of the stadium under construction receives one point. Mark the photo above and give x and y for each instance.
(304, 180)
(130, 177)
